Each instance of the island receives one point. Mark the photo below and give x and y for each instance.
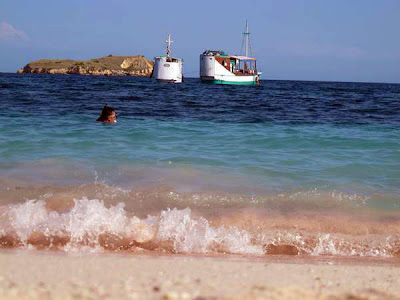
(136, 65)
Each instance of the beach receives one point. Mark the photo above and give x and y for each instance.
(52, 275)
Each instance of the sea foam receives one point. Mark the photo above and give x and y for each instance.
(89, 220)
(91, 225)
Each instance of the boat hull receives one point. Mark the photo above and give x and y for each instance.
(170, 80)
(236, 80)
(212, 71)
(231, 82)
(168, 71)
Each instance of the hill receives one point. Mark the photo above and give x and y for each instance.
(110, 65)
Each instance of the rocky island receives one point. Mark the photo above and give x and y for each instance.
(110, 65)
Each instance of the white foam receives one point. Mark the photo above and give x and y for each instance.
(89, 219)
(195, 235)
(325, 246)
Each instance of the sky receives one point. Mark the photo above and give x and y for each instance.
(341, 40)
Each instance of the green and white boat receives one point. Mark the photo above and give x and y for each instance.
(220, 68)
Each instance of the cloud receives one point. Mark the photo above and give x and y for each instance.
(9, 33)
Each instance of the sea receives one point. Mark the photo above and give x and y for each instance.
(284, 168)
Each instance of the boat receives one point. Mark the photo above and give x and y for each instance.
(166, 67)
(218, 67)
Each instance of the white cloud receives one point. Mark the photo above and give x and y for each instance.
(9, 33)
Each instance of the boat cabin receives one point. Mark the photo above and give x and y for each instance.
(238, 65)
(168, 58)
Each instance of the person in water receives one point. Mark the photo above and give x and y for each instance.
(107, 115)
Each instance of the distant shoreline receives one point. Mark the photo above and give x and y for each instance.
(109, 65)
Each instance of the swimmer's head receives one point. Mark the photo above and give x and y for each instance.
(107, 115)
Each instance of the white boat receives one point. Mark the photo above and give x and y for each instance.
(218, 67)
(166, 67)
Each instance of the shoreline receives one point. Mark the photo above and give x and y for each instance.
(31, 274)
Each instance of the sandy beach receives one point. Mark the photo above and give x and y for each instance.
(28, 274)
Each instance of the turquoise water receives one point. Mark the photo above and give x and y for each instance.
(325, 156)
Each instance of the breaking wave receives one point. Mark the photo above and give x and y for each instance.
(90, 225)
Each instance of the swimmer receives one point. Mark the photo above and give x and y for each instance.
(107, 115)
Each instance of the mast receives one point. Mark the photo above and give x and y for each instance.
(168, 41)
(246, 37)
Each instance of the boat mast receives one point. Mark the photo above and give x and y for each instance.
(246, 36)
(168, 41)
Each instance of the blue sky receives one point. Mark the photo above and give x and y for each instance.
(352, 40)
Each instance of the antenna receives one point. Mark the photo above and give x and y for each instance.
(246, 40)
(168, 41)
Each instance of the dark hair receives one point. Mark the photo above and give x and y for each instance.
(107, 111)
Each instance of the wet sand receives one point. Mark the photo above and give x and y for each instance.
(32, 274)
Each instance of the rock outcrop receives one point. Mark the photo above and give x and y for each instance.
(110, 65)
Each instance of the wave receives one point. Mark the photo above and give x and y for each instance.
(90, 225)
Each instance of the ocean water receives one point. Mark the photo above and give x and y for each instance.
(287, 167)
